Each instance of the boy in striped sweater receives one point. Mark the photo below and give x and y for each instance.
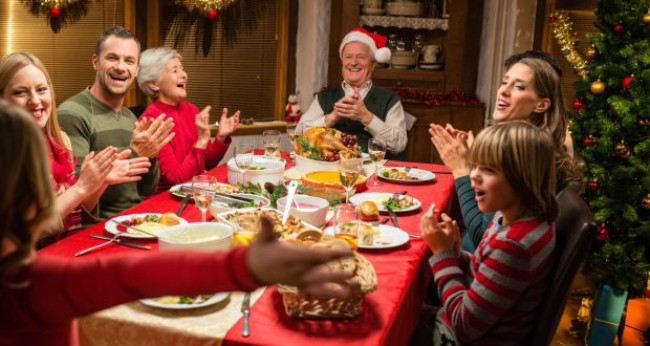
(491, 297)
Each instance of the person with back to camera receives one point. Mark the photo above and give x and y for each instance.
(41, 295)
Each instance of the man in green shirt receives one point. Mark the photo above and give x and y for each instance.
(96, 118)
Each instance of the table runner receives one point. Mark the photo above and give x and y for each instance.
(137, 324)
(388, 315)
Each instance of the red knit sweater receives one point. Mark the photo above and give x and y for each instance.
(62, 289)
(179, 161)
(492, 300)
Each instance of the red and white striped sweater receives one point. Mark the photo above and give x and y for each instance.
(493, 300)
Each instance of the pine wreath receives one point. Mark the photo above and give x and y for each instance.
(59, 13)
(178, 16)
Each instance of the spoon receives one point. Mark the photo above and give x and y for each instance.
(291, 192)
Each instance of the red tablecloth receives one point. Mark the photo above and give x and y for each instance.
(389, 314)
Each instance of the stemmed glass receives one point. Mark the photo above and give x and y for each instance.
(349, 171)
(245, 229)
(203, 187)
(377, 152)
(271, 140)
(244, 155)
(346, 224)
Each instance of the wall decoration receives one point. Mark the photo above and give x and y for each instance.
(565, 38)
(59, 13)
(200, 19)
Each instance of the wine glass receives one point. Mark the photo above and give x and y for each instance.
(346, 224)
(271, 141)
(377, 152)
(349, 171)
(203, 187)
(244, 155)
(245, 228)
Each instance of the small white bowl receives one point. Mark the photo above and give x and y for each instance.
(219, 206)
(198, 236)
(313, 209)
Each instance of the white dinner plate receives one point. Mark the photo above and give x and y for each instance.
(176, 189)
(112, 227)
(219, 297)
(422, 175)
(379, 197)
(388, 237)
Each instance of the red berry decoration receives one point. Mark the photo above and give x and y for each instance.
(552, 19)
(593, 185)
(603, 233)
(55, 12)
(618, 27)
(627, 80)
(211, 15)
(577, 104)
(589, 141)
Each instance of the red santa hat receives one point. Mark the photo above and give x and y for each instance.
(376, 43)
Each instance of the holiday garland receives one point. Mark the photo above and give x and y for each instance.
(58, 12)
(563, 33)
(200, 19)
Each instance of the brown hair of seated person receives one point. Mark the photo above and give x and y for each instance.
(28, 199)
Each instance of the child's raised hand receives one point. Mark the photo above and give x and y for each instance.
(439, 236)
(271, 261)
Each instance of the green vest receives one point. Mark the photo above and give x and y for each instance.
(378, 101)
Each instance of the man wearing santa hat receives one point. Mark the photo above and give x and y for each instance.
(357, 106)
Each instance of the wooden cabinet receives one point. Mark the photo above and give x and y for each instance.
(419, 147)
(459, 36)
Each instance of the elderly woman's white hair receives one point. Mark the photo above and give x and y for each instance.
(152, 64)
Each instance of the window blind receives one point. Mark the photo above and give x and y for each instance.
(240, 75)
(67, 54)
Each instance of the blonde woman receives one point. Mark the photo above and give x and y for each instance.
(163, 78)
(24, 82)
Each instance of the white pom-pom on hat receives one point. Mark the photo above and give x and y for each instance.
(375, 42)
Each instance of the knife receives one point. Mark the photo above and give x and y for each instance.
(392, 215)
(122, 242)
(183, 204)
(245, 309)
(189, 190)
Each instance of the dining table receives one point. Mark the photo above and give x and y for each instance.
(388, 315)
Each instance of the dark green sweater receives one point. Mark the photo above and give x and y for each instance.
(378, 101)
(93, 126)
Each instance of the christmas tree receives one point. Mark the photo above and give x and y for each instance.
(611, 131)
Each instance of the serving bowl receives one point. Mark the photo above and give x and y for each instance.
(219, 206)
(272, 171)
(198, 236)
(313, 210)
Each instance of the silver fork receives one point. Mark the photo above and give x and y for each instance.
(92, 248)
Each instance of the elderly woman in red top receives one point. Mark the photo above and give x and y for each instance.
(163, 78)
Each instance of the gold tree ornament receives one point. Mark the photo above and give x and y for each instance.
(597, 87)
(646, 17)
(591, 53)
(566, 39)
(622, 150)
(645, 202)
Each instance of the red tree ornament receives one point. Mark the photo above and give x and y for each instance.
(552, 19)
(589, 141)
(627, 80)
(593, 185)
(55, 12)
(618, 27)
(578, 105)
(603, 233)
(211, 15)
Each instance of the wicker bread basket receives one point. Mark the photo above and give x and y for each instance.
(298, 304)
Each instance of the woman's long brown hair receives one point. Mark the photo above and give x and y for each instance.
(26, 195)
